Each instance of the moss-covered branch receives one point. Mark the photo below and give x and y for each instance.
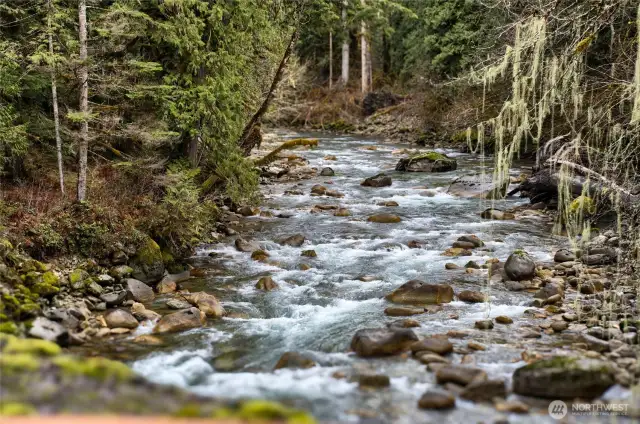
(296, 142)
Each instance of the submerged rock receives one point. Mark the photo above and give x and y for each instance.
(382, 341)
(478, 186)
(427, 162)
(342, 212)
(416, 292)
(380, 180)
(564, 378)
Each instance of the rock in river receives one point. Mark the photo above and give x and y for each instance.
(520, 266)
(497, 214)
(327, 172)
(436, 399)
(384, 218)
(416, 292)
(471, 296)
(180, 321)
(563, 378)
(207, 303)
(459, 374)
(45, 329)
(266, 284)
(294, 360)
(246, 246)
(295, 240)
(147, 264)
(119, 318)
(380, 180)
(427, 162)
(439, 345)
(382, 341)
(564, 255)
(484, 391)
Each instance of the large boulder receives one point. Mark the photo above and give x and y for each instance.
(119, 318)
(180, 321)
(138, 291)
(207, 303)
(520, 266)
(416, 292)
(380, 180)
(382, 341)
(564, 378)
(147, 264)
(427, 162)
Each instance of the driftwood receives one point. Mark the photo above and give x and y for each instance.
(543, 185)
(246, 142)
(290, 144)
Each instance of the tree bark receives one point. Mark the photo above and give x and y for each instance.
(83, 144)
(364, 57)
(344, 78)
(330, 60)
(245, 142)
(54, 99)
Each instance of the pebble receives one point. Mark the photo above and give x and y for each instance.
(503, 319)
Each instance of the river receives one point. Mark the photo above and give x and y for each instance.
(317, 311)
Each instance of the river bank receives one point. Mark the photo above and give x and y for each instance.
(291, 285)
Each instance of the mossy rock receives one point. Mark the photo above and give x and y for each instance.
(16, 409)
(78, 275)
(98, 368)
(427, 162)
(8, 327)
(264, 410)
(148, 263)
(259, 255)
(16, 345)
(563, 377)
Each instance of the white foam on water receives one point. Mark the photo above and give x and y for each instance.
(178, 368)
(314, 384)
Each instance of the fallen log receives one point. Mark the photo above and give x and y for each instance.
(290, 144)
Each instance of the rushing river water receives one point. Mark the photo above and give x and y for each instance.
(316, 312)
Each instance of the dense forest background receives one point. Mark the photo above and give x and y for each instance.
(143, 108)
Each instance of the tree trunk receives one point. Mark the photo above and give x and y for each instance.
(330, 60)
(245, 142)
(54, 99)
(344, 79)
(364, 57)
(83, 144)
